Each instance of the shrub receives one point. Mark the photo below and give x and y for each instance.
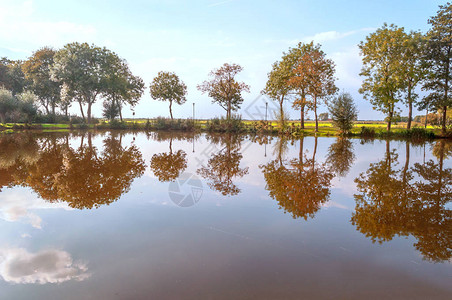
(343, 112)
(367, 132)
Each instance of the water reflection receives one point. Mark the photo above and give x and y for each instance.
(167, 166)
(17, 265)
(83, 177)
(341, 156)
(223, 166)
(392, 196)
(407, 201)
(300, 185)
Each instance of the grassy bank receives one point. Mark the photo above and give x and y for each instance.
(368, 129)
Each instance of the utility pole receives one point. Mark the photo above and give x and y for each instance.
(266, 107)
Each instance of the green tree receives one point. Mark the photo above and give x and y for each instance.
(8, 104)
(343, 112)
(110, 110)
(11, 76)
(37, 71)
(27, 105)
(412, 69)
(438, 56)
(224, 89)
(277, 87)
(168, 87)
(122, 86)
(316, 73)
(381, 54)
(84, 70)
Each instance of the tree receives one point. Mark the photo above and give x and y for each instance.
(411, 69)
(27, 105)
(11, 76)
(277, 87)
(323, 116)
(316, 72)
(168, 87)
(224, 89)
(122, 86)
(297, 84)
(343, 112)
(37, 71)
(438, 56)
(110, 110)
(8, 103)
(84, 70)
(381, 54)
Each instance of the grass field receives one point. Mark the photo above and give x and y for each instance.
(326, 128)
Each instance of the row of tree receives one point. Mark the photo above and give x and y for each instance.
(395, 63)
(77, 73)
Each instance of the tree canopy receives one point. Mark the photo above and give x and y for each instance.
(224, 89)
(168, 87)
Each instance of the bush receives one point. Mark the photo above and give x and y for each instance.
(343, 112)
(367, 132)
(235, 124)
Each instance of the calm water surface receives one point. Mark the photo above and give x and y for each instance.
(171, 216)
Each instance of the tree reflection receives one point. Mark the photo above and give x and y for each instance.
(389, 203)
(301, 186)
(167, 166)
(340, 156)
(223, 166)
(82, 177)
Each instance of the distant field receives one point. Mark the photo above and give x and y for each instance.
(325, 127)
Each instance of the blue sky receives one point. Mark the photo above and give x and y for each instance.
(193, 37)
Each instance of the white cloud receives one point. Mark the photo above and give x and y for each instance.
(19, 266)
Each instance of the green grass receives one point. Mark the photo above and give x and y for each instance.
(326, 128)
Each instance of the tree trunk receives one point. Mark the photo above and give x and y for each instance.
(443, 129)
(88, 112)
(229, 111)
(81, 110)
(281, 114)
(391, 114)
(410, 109)
(425, 121)
(315, 113)
(302, 117)
(120, 110)
(170, 109)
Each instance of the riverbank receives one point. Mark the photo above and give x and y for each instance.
(366, 129)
